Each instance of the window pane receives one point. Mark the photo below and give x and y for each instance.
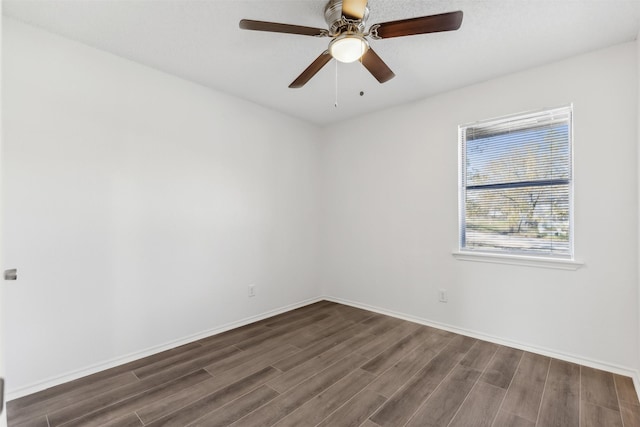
(516, 185)
(529, 219)
(534, 154)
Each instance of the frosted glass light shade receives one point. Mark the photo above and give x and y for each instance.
(348, 47)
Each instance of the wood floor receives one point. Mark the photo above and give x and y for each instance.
(328, 364)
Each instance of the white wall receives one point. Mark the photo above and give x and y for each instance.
(138, 207)
(637, 384)
(390, 218)
(3, 416)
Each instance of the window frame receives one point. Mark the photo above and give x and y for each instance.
(506, 256)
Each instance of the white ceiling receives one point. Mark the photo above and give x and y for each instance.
(199, 40)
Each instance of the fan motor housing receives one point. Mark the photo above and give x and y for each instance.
(337, 23)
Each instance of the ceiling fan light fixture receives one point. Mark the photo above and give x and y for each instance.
(347, 22)
(348, 47)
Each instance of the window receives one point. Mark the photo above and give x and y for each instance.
(516, 185)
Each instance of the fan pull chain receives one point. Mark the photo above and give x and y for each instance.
(335, 104)
(362, 76)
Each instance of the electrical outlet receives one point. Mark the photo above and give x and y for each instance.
(252, 290)
(442, 295)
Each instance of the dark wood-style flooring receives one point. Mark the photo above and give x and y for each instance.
(328, 364)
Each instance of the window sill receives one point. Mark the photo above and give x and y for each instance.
(528, 261)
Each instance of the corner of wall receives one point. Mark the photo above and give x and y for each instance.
(636, 378)
(321, 141)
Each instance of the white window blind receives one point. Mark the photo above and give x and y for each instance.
(516, 189)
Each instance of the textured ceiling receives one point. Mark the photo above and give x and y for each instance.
(199, 40)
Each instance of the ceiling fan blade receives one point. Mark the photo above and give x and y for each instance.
(353, 9)
(426, 24)
(376, 66)
(311, 70)
(274, 27)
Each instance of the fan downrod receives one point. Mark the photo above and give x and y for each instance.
(339, 24)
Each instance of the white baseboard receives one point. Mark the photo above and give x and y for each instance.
(70, 376)
(636, 383)
(604, 366)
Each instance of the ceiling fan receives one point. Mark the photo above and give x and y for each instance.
(347, 20)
